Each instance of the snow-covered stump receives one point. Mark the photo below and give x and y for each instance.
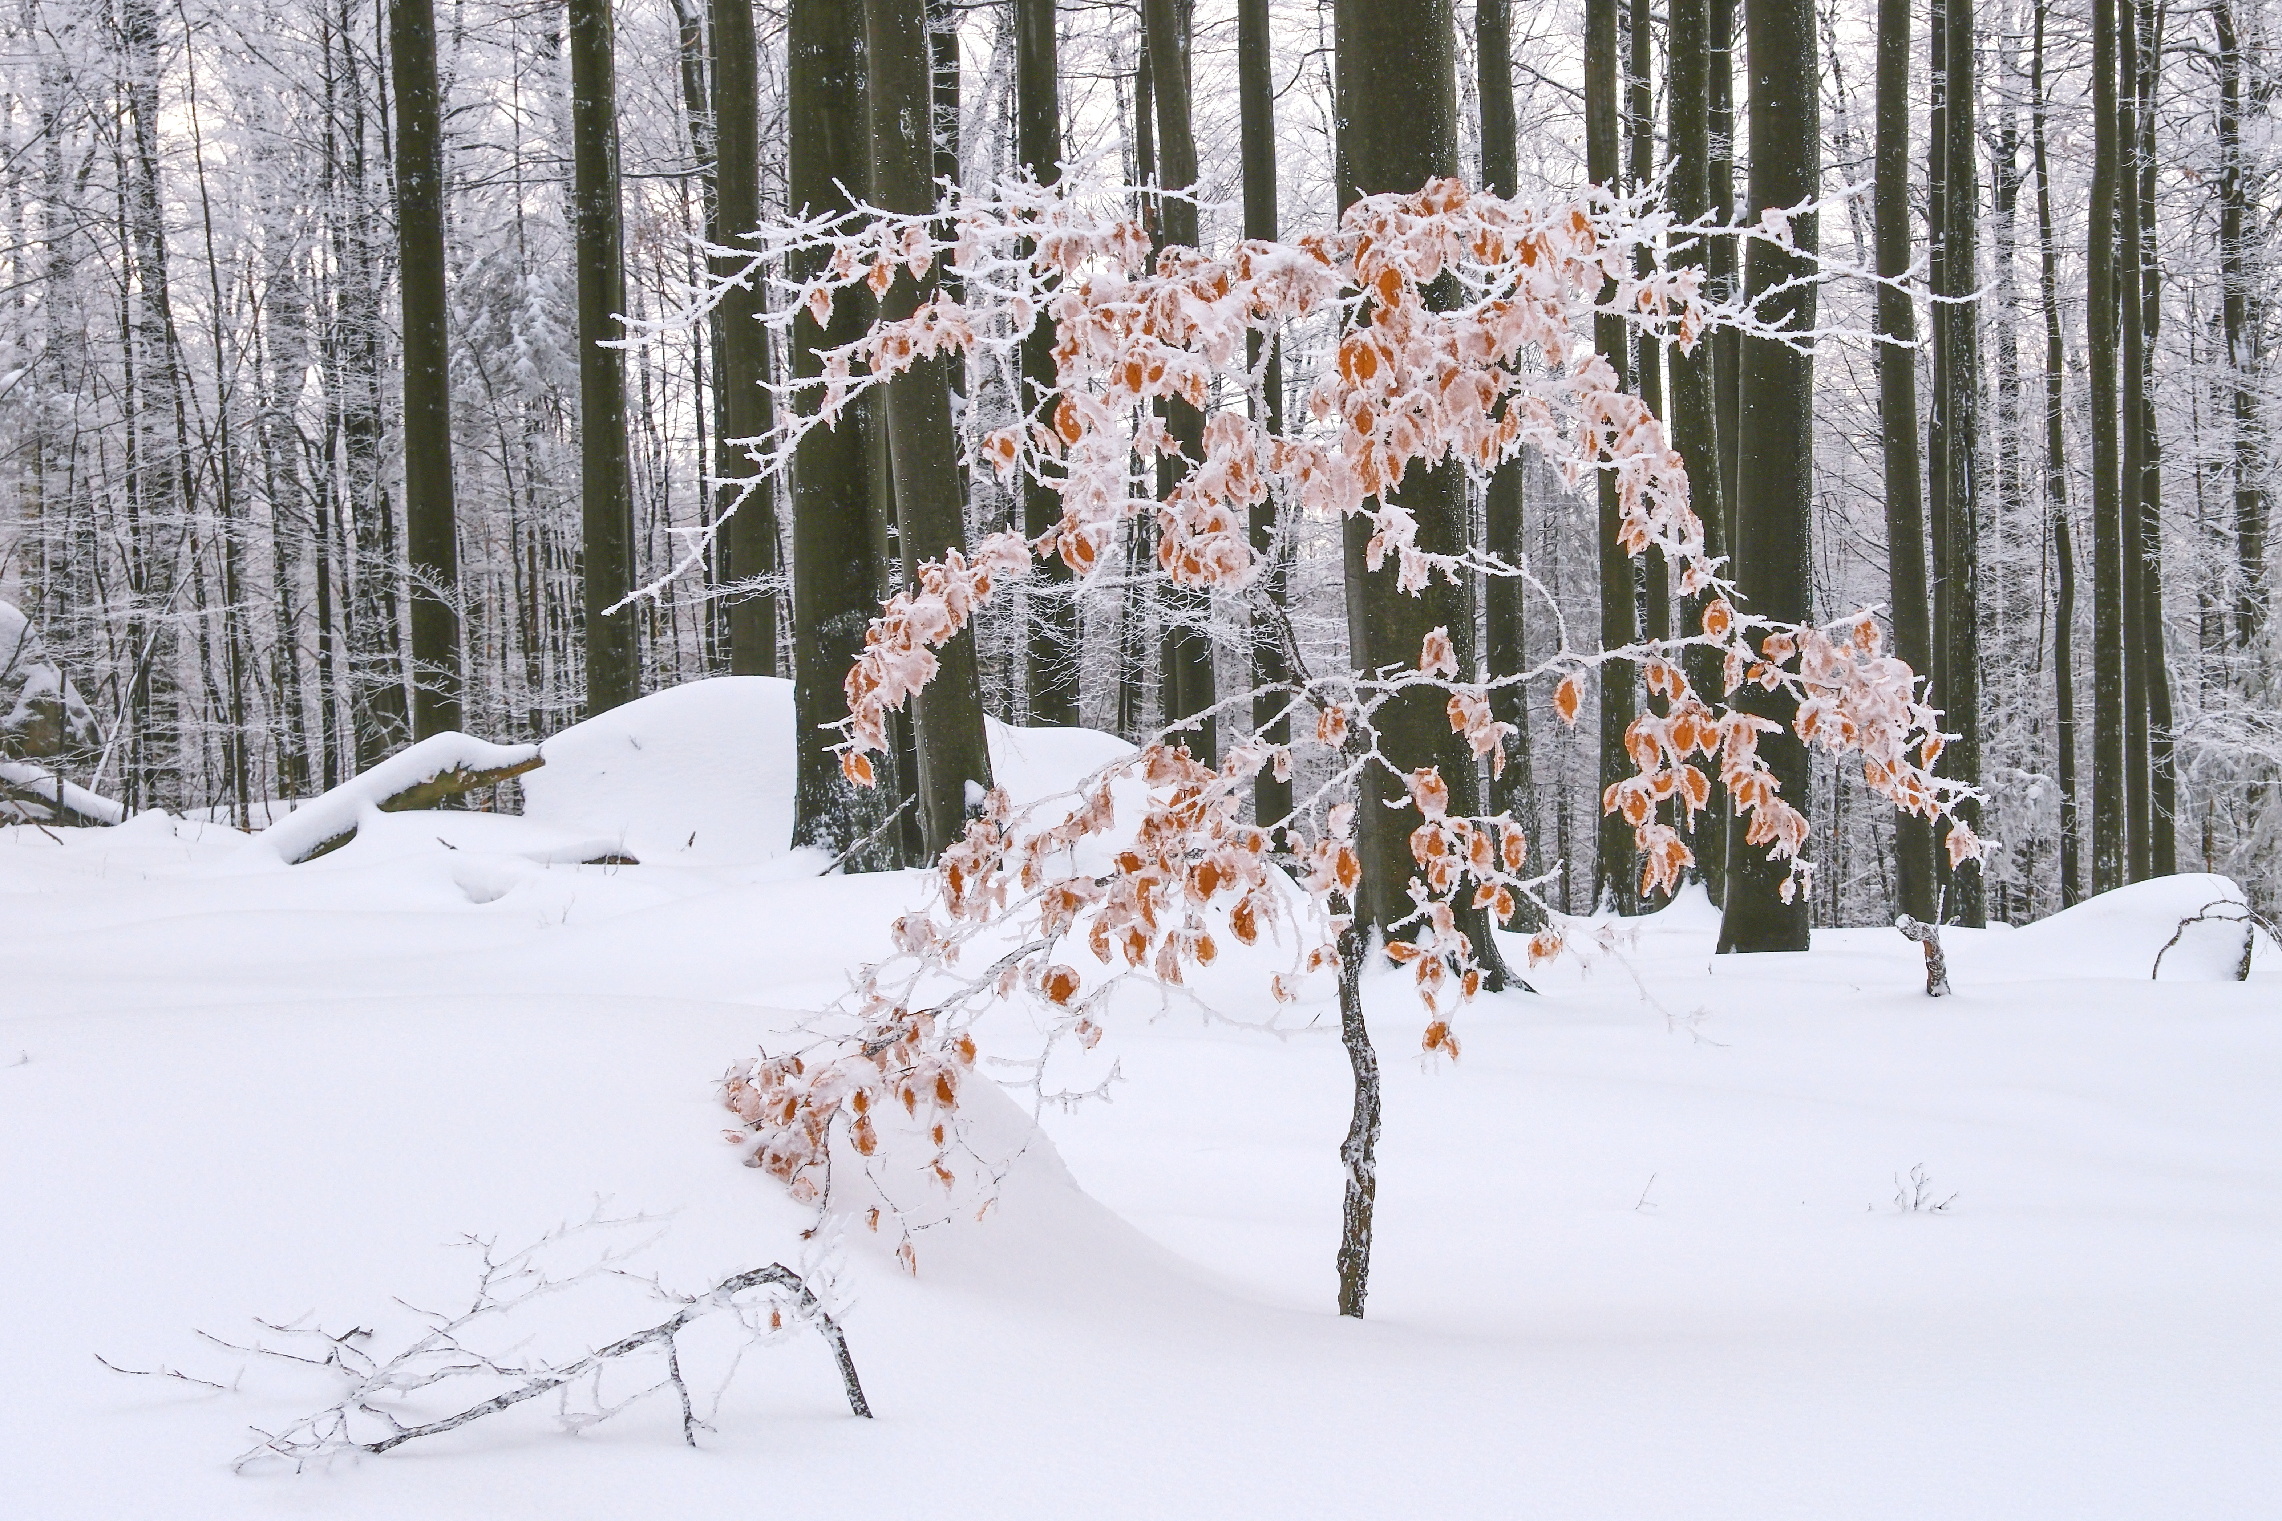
(1928, 936)
(438, 767)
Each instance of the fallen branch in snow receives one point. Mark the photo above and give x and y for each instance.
(22, 782)
(2223, 911)
(1936, 964)
(371, 1415)
(438, 767)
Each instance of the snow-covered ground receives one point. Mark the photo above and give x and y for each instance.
(1639, 1253)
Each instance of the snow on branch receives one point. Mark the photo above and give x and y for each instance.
(473, 1363)
(1458, 329)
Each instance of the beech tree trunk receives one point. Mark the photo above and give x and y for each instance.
(1898, 413)
(2056, 489)
(1774, 515)
(1255, 82)
(930, 517)
(431, 531)
(833, 557)
(741, 368)
(606, 504)
(2109, 810)
(1053, 643)
(1615, 871)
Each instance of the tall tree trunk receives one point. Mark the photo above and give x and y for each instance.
(1898, 412)
(953, 750)
(1190, 689)
(1695, 410)
(2109, 802)
(431, 528)
(1615, 872)
(1774, 515)
(2241, 329)
(2131, 613)
(2056, 487)
(833, 559)
(741, 368)
(1255, 82)
(1720, 261)
(1053, 653)
(1954, 439)
(606, 507)
(2162, 777)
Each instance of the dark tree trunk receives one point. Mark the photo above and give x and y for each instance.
(1053, 643)
(2162, 776)
(1615, 871)
(833, 556)
(741, 368)
(2109, 811)
(1898, 412)
(930, 515)
(1190, 689)
(1720, 258)
(2131, 492)
(1954, 440)
(2240, 327)
(1695, 410)
(1775, 453)
(431, 533)
(2056, 489)
(1255, 80)
(606, 510)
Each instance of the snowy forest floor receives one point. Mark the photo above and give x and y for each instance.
(1639, 1251)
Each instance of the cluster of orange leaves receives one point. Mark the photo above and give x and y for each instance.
(1461, 344)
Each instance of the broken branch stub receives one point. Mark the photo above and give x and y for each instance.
(1928, 936)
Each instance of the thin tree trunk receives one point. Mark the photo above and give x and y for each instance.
(2109, 803)
(2131, 612)
(1898, 412)
(1775, 453)
(1053, 652)
(2238, 323)
(2056, 487)
(2162, 777)
(1695, 409)
(1255, 80)
(1615, 872)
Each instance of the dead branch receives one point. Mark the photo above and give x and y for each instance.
(2223, 911)
(1928, 936)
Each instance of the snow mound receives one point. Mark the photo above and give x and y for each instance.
(698, 773)
(2119, 934)
(703, 773)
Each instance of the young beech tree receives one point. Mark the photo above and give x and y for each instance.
(1152, 866)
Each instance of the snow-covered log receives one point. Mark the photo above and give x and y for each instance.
(438, 767)
(23, 783)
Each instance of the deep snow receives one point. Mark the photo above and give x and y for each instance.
(1638, 1255)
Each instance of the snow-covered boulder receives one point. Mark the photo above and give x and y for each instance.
(2120, 933)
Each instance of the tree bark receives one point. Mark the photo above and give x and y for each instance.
(741, 368)
(2109, 812)
(2056, 488)
(606, 508)
(1190, 687)
(930, 517)
(1053, 651)
(833, 558)
(1898, 412)
(1255, 82)
(1775, 452)
(1695, 405)
(431, 532)
(1615, 871)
